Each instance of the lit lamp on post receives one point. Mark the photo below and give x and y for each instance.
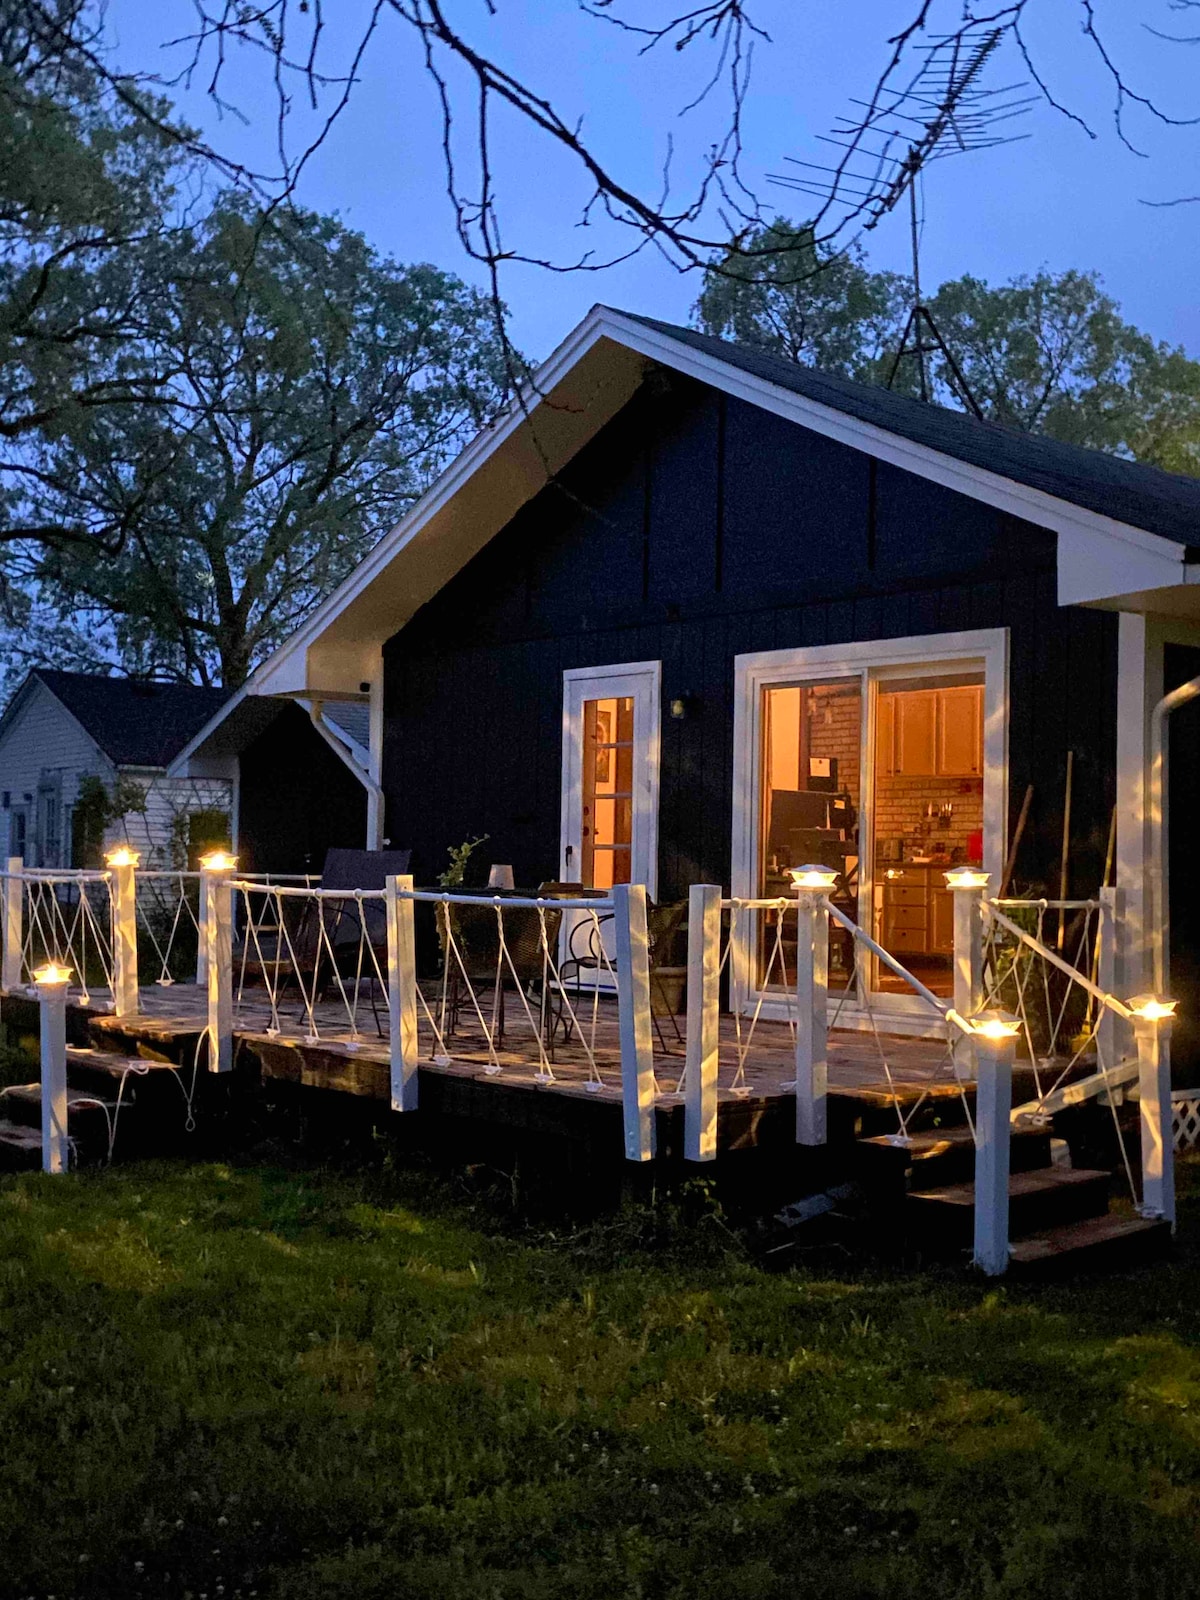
(812, 884)
(1151, 1017)
(51, 981)
(994, 1035)
(123, 863)
(214, 969)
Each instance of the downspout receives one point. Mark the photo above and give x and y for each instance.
(1156, 795)
(316, 713)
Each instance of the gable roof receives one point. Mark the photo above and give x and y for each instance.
(1123, 529)
(134, 722)
(1142, 496)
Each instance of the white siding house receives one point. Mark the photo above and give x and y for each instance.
(63, 734)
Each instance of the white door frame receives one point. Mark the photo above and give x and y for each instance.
(867, 661)
(641, 681)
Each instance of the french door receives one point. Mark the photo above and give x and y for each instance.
(610, 775)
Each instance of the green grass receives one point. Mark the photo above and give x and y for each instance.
(218, 1382)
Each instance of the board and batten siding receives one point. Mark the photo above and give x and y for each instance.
(693, 529)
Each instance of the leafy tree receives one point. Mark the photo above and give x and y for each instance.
(315, 388)
(821, 309)
(1047, 353)
(86, 183)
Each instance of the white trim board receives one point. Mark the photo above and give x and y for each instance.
(1099, 555)
(866, 661)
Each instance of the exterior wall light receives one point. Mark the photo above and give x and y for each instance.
(51, 975)
(812, 877)
(680, 706)
(218, 861)
(1149, 1008)
(966, 878)
(123, 856)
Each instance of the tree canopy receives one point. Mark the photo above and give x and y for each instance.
(210, 409)
(1046, 353)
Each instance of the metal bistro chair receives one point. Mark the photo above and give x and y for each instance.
(480, 963)
(585, 954)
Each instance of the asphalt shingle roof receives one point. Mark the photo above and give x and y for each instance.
(135, 723)
(1165, 503)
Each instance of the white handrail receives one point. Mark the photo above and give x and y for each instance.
(889, 961)
(1049, 955)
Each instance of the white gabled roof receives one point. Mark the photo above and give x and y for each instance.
(591, 375)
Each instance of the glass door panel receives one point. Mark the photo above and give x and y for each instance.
(606, 824)
(926, 816)
(812, 736)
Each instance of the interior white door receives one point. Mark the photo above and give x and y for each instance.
(611, 725)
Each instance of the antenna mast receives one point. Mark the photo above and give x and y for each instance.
(948, 112)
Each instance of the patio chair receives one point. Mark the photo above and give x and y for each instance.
(318, 941)
(480, 963)
(585, 954)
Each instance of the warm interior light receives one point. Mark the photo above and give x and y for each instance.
(123, 856)
(52, 973)
(812, 877)
(218, 861)
(966, 878)
(1151, 1009)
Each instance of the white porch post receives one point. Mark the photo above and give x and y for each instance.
(967, 887)
(402, 992)
(994, 1052)
(636, 1028)
(122, 864)
(1152, 1033)
(1112, 1040)
(703, 1021)
(812, 993)
(14, 932)
(52, 1004)
(217, 900)
(202, 937)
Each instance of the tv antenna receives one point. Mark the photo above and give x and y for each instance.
(944, 110)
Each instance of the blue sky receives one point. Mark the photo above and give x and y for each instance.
(1059, 198)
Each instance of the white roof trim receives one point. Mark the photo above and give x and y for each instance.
(1161, 560)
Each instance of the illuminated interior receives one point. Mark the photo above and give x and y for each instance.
(922, 813)
(607, 831)
(927, 816)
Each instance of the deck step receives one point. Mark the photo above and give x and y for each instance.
(1037, 1201)
(102, 1072)
(1108, 1243)
(20, 1147)
(23, 1105)
(941, 1156)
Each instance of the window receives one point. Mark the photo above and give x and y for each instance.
(50, 823)
(18, 831)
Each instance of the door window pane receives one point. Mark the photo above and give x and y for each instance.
(811, 761)
(927, 816)
(607, 823)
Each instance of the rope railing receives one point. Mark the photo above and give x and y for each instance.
(168, 922)
(63, 917)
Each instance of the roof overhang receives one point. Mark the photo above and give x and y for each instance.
(592, 374)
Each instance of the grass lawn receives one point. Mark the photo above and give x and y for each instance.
(220, 1381)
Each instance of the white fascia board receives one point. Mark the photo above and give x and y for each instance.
(182, 766)
(286, 671)
(1091, 568)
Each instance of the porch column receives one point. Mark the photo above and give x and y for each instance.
(703, 1021)
(634, 1021)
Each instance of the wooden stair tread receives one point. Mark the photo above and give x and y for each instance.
(1089, 1234)
(1043, 1180)
(31, 1094)
(18, 1137)
(109, 1061)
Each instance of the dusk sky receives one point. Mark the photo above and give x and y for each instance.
(1058, 198)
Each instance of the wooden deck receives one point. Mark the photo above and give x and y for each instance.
(871, 1074)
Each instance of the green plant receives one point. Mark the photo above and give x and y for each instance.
(460, 856)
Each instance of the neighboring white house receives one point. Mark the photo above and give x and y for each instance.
(65, 733)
